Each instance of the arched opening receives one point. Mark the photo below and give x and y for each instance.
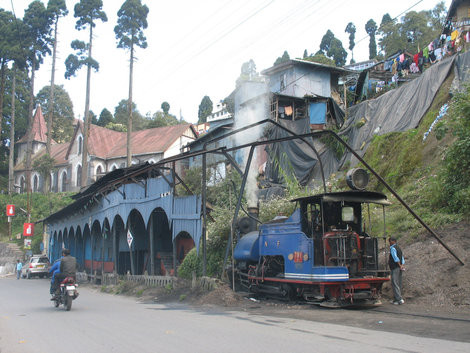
(87, 249)
(122, 249)
(139, 249)
(72, 243)
(159, 230)
(97, 248)
(80, 250)
(184, 243)
(52, 246)
(108, 256)
(65, 236)
(59, 246)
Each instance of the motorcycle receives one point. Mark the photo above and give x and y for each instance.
(67, 293)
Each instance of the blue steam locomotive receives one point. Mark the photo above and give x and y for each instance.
(321, 253)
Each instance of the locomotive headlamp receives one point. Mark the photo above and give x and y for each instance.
(357, 179)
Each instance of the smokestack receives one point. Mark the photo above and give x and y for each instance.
(253, 212)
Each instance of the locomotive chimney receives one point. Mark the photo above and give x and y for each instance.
(253, 212)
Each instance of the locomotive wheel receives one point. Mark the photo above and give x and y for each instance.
(287, 292)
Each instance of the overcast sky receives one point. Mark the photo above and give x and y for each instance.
(196, 48)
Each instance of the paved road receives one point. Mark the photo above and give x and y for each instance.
(101, 322)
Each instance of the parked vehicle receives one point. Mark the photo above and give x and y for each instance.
(38, 265)
(68, 292)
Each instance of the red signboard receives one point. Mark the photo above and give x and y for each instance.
(28, 229)
(10, 210)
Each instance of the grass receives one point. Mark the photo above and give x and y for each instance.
(408, 165)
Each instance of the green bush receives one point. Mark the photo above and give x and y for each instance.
(452, 185)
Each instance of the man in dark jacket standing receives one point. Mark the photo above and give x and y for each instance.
(396, 262)
(68, 268)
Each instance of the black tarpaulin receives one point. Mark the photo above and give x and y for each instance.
(294, 157)
(398, 110)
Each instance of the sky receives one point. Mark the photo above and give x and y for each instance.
(197, 48)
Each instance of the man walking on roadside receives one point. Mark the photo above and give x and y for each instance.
(19, 266)
(396, 262)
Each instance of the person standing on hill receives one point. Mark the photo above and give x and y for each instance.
(396, 262)
(19, 266)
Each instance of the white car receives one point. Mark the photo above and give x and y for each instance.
(38, 265)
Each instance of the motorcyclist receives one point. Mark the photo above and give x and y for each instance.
(68, 268)
(54, 270)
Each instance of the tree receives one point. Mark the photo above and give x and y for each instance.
(121, 114)
(332, 47)
(12, 49)
(161, 119)
(132, 20)
(62, 112)
(205, 109)
(87, 12)
(248, 70)
(38, 28)
(165, 107)
(351, 29)
(413, 31)
(371, 29)
(285, 57)
(56, 9)
(93, 117)
(321, 59)
(105, 118)
(305, 54)
(44, 166)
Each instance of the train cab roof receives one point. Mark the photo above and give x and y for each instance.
(347, 196)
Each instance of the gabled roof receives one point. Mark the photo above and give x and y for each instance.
(106, 143)
(154, 140)
(297, 62)
(39, 130)
(58, 152)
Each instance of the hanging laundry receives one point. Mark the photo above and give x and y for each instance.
(454, 35)
(402, 58)
(414, 68)
(426, 52)
(438, 54)
(416, 58)
(288, 111)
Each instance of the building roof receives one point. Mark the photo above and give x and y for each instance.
(154, 140)
(39, 129)
(58, 152)
(311, 64)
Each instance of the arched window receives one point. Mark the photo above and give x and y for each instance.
(79, 175)
(64, 181)
(80, 143)
(98, 172)
(22, 185)
(35, 183)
